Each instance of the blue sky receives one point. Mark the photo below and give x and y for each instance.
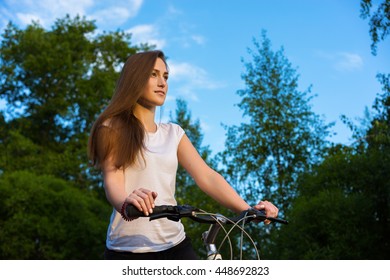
(205, 40)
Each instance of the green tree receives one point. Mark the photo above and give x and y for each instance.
(379, 21)
(43, 217)
(55, 82)
(282, 137)
(193, 130)
(187, 192)
(378, 139)
(344, 202)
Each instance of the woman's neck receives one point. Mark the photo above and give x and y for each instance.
(146, 117)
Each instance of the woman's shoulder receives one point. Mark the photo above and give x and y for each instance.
(172, 128)
(169, 125)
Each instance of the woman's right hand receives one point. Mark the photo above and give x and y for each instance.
(143, 199)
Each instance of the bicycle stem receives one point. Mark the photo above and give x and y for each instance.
(210, 236)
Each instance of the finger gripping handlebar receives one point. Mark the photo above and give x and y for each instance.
(133, 212)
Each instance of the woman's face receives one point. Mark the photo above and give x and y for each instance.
(156, 89)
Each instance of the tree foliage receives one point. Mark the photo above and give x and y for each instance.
(54, 82)
(343, 208)
(282, 137)
(193, 130)
(43, 217)
(344, 202)
(379, 21)
(187, 192)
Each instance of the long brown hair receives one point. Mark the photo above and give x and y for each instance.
(117, 134)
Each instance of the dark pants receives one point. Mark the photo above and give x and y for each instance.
(182, 251)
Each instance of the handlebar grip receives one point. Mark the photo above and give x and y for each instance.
(261, 215)
(132, 212)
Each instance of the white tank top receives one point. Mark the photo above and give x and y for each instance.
(157, 173)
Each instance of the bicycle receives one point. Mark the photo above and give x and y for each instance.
(216, 221)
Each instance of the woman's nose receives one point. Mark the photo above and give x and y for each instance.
(162, 82)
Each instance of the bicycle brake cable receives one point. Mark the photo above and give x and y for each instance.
(236, 224)
(215, 217)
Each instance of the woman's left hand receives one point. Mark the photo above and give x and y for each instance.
(270, 209)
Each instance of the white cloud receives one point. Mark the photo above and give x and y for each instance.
(186, 39)
(134, 6)
(47, 11)
(112, 16)
(147, 33)
(205, 126)
(27, 18)
(190, 78)
(349, 62)
(108, 13)
(200, 40)
(180, 31)
(117, 13)
(172, 11)
(343, 61)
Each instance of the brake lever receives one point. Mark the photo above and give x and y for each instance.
(186, 210)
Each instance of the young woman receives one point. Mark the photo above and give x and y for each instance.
(139, 160)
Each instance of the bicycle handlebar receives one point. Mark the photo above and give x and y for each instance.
(175, 213)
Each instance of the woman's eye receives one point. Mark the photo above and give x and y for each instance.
(166, 78)
(154, 74)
